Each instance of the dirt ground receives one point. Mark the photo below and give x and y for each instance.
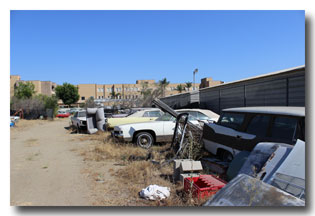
(51, 166)
(44, 170)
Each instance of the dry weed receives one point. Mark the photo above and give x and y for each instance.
(137, 173)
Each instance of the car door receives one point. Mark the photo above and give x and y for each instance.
(226, 134)
(168, 129)
(258, 125)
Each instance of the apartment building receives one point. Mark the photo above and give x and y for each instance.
(209, 82)
(106, 91)
(133, 91)
(13, 80)
(41, 87)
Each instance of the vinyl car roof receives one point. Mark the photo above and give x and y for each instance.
(278, 110)
(140, 113)
(208, 113)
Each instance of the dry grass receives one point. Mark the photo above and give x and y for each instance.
(104, 148)
(135, 173)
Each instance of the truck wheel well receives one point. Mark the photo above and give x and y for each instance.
(148, 131)
(220, 153)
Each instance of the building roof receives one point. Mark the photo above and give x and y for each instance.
(280, 110)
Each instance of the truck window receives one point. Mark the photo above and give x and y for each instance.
(283, 128)
(258, 125)
(232, 120)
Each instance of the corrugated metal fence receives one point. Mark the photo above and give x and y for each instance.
(283, 88)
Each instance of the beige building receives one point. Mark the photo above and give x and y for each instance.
(106, 91)
(13, 80)
(209, 82)
(41, 87)
(133, 91)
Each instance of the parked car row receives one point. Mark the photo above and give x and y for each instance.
(236, 130)
(161, 129)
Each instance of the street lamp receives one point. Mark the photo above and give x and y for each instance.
(195, 71)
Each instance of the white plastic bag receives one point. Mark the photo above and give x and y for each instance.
(154, 192)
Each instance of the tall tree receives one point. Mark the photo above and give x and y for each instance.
(114, 95)
(24, 90)
(179, 88)
(188, 85)
(145, 91)
(163, 84)
(90, 103)
(68, 93)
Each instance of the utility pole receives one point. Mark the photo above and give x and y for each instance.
(195, 71)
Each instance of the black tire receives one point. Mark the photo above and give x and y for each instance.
(226, 156)
(144, 140)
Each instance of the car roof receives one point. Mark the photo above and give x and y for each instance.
(278, 110)
(139, 113)
(208, 113)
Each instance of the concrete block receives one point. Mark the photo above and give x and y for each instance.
(186, 175)
(176, 170)
(190, 166)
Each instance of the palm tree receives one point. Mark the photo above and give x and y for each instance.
(145, 91)
(188, 85)
(114, 94)
(162, 84)
(179, 88)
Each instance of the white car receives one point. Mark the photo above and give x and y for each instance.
(79, 120)
(145, 134)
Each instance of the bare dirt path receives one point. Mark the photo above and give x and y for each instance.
(45, 170)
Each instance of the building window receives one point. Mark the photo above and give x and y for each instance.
(83, 98)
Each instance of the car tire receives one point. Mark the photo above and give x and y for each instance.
(144, 140)
(226, 156)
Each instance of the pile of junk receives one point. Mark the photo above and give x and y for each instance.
(272, 174)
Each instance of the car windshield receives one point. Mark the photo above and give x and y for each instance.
(82, 114)
(165, 117)
(168, 117)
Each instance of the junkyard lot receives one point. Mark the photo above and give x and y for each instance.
(51, 166)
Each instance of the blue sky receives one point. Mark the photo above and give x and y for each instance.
(107, 47)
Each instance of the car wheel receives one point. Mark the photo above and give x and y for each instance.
(226, 156)
(144, 140)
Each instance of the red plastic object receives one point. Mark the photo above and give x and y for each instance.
(203, 186)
